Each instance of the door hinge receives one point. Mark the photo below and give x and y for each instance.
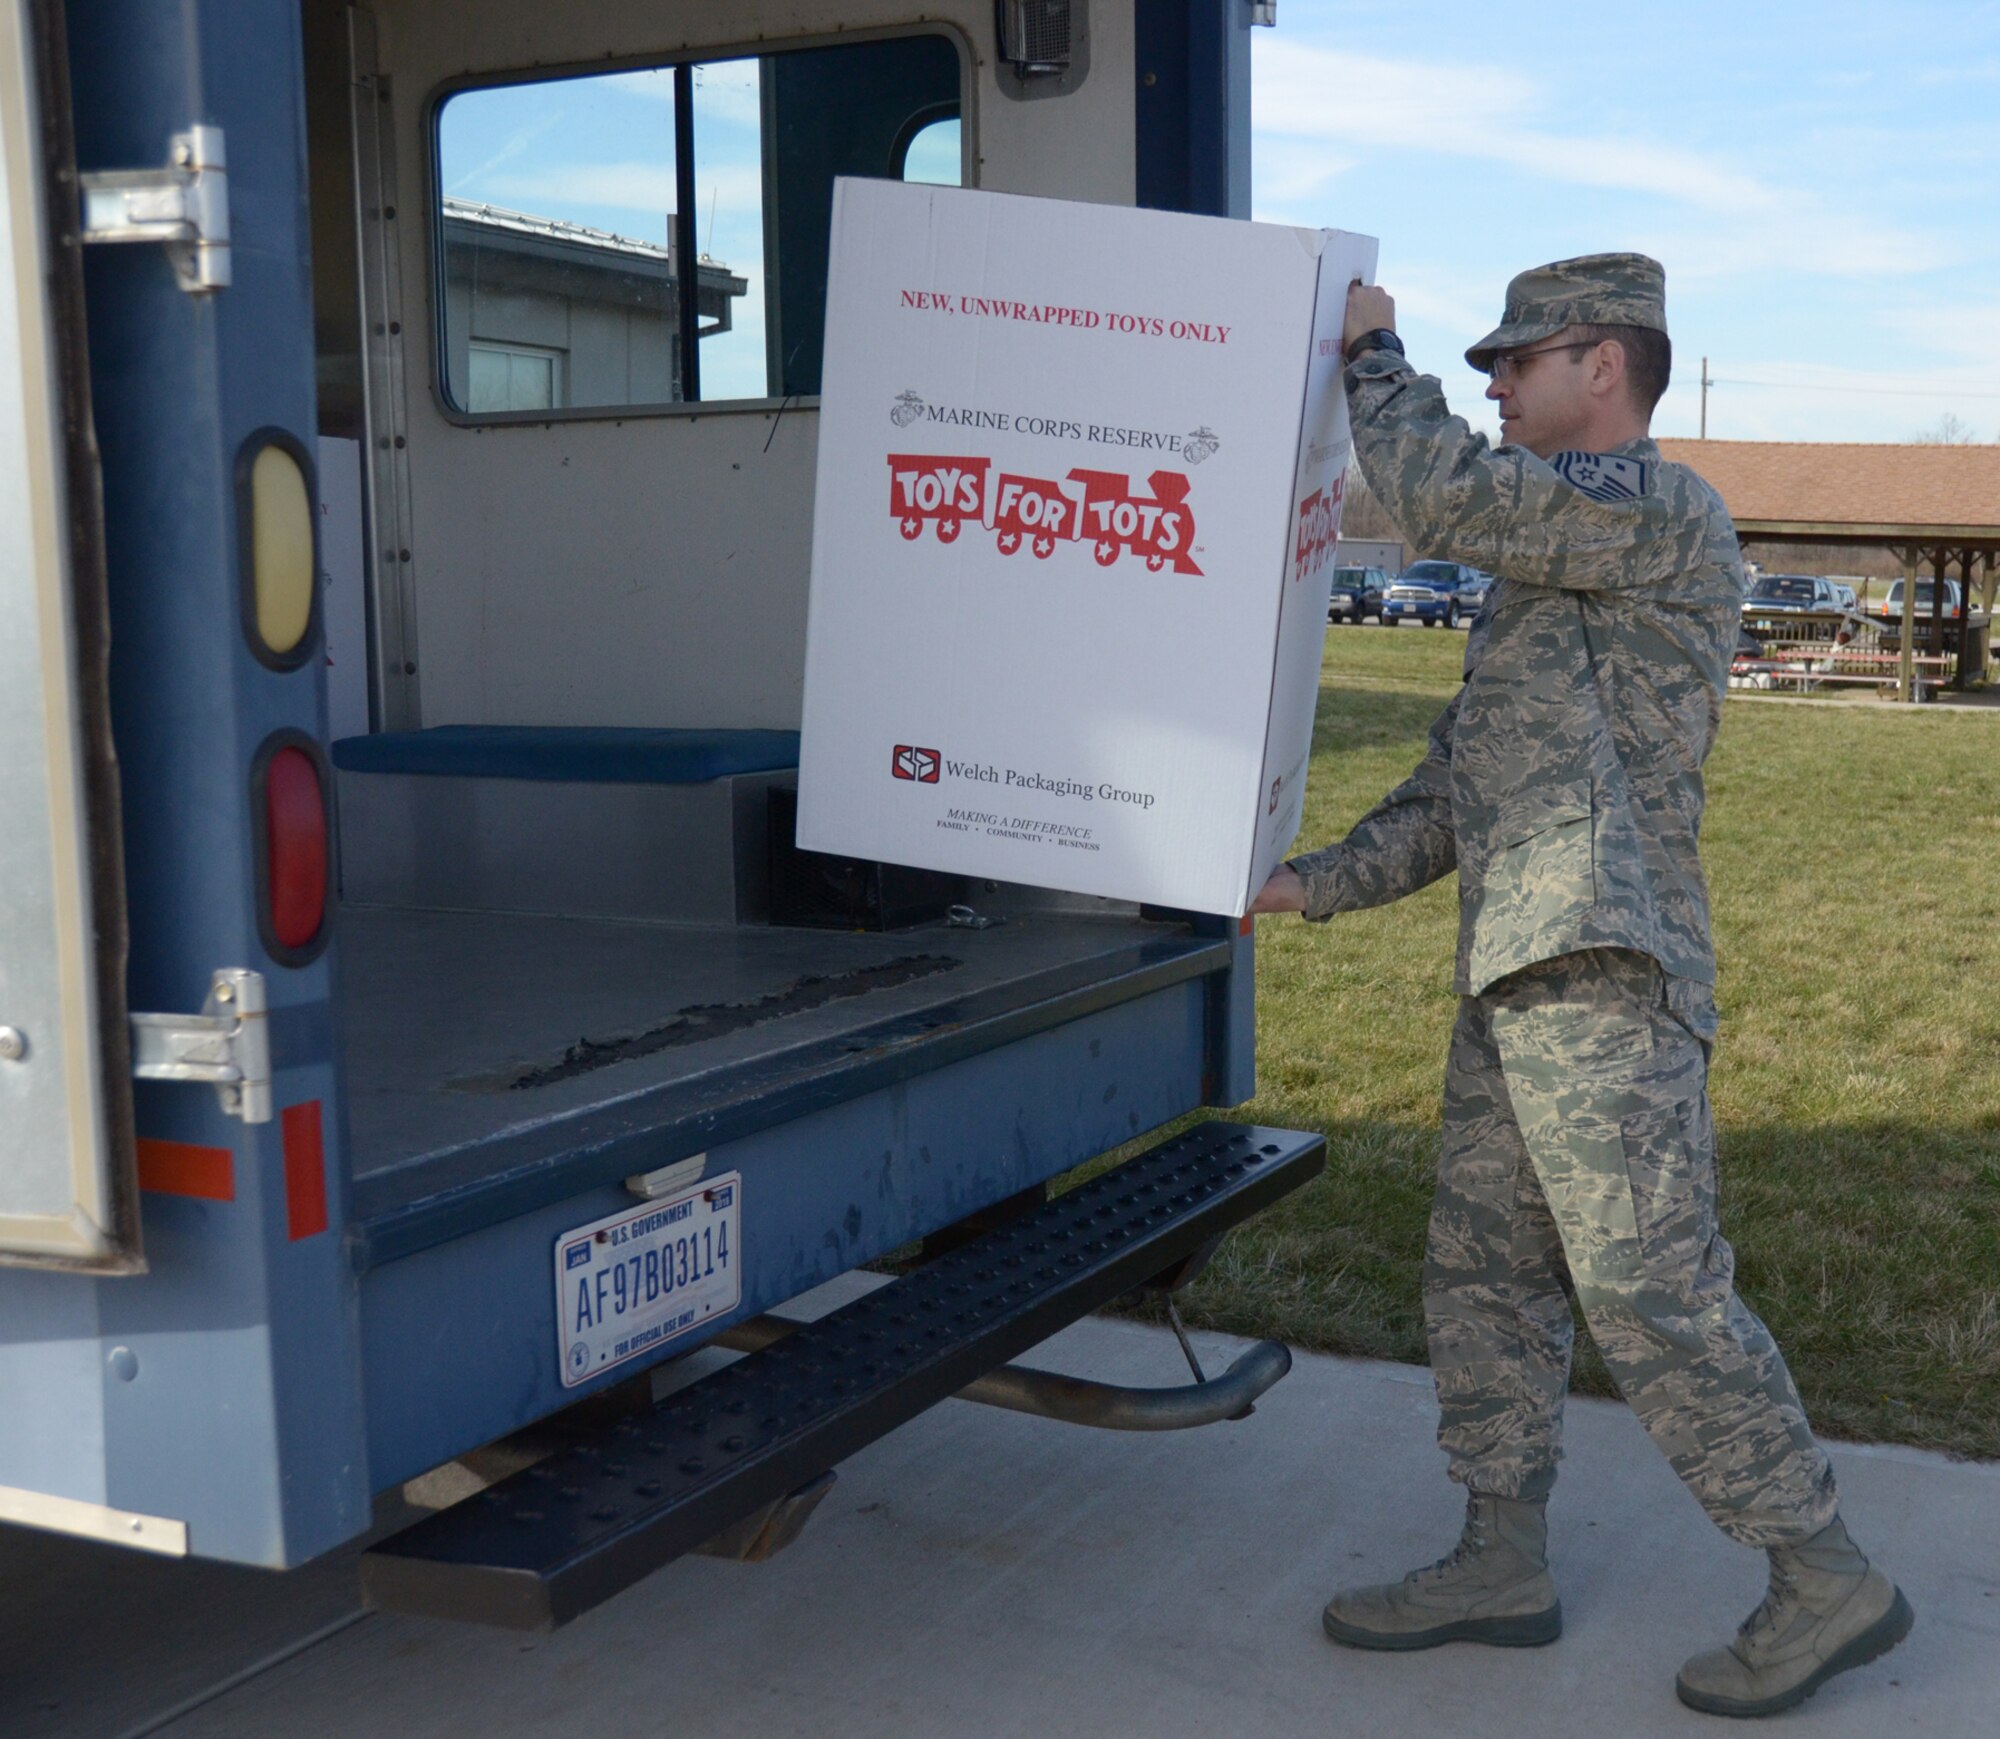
(227, 1046)
(185, 205)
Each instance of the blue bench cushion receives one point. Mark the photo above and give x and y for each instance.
(583, 755)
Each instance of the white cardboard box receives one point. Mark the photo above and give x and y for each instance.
(1079, 483)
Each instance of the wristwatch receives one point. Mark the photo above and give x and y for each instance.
(1380, 339)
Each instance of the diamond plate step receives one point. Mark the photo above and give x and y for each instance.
(565, 1535)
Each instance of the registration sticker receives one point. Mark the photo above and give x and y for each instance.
(628, 1284)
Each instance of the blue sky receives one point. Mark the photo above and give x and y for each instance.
(1821, 181)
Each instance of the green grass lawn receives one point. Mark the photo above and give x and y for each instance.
(1851, 856)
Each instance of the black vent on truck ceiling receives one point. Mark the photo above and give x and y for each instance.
(1036, 35)
(700, 1022)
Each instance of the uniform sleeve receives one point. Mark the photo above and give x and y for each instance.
(1459, 498)
(1404, 843)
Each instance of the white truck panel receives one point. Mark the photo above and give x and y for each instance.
(547, 590)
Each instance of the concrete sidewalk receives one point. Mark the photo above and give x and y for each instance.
(983, 1573)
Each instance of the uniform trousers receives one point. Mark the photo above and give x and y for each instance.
(1579, 1159)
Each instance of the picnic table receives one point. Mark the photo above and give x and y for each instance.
(1808, 663)
(1808, 649)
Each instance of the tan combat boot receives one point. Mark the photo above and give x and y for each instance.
(1495, 1587)
(1827, 1609)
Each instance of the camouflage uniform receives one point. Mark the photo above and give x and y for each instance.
(1563, 782)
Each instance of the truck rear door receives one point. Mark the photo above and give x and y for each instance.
(211, 1403)
(68, 1184)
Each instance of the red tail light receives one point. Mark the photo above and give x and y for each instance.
(295, 848)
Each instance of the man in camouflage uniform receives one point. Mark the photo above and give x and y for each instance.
(1563, 783)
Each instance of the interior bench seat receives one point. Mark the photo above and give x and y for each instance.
(583, 754)
(584, 821)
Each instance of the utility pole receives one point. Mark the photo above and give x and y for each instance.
(1706, 383)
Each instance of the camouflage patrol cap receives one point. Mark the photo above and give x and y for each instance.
(1592, 290)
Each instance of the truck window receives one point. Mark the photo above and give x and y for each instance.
(932, 154)
(565, 210)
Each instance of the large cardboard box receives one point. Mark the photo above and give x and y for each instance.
(1079, 482)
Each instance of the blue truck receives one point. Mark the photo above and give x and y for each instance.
(417, 1029)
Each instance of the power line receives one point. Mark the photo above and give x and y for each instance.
(1907, 392)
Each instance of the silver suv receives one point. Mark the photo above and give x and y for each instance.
(1892, 605)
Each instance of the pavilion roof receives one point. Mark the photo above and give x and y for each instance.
(1874, 491)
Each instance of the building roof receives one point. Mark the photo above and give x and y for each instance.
(527, 223)
(556, 229)
(1882, 491)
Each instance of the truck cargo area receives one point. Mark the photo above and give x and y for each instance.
(564, 726)
(498, 1061)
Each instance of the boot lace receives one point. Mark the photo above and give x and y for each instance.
(1473, 1541)
(1774, 1611)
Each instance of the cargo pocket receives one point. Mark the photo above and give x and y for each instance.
(1542, 874)
(1671, 1171)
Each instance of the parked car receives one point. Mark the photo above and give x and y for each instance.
(1791, 593)
(1431, 592)
(1356, 595)
(1844, 597)
(1892, 605)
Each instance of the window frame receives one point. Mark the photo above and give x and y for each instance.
(686, 55)
(558, 361)
(920, 123)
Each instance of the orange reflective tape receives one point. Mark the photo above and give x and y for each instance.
(305, 1170)
(179, 1168)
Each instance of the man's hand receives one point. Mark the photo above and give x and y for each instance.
(1284, 892)
(1369, 309)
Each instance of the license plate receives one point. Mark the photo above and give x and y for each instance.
(628, 1284)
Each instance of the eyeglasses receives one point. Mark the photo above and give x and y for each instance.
(1506, 367)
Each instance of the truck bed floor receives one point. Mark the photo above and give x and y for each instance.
(479, 1044)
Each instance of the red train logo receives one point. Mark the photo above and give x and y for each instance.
(1035, 508)
(1099, 507)
(1158, 527)
(1319, 529)
(938, 492)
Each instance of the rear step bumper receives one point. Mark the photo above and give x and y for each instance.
(549, 1543)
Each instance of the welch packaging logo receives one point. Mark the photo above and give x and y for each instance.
(906, 761)
(1319, 529)
(945, 492)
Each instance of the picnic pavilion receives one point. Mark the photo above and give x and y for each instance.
(1935, 508)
